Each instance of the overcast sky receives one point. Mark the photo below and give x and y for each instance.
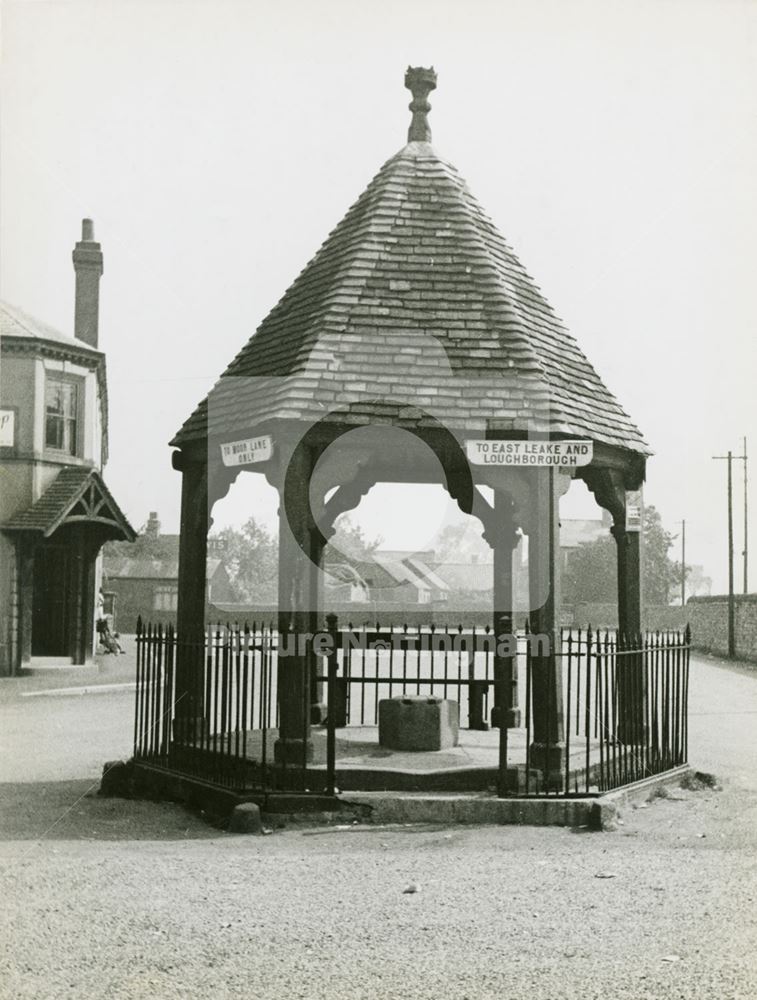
(216, 144)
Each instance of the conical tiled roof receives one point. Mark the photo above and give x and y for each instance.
(415, 305)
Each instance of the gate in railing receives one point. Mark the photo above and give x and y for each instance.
(615, 708)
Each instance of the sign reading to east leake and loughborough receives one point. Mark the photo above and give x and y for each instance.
(561, 454)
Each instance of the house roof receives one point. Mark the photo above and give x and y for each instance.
(337, 574)
(143, 568)
(375, 574)
(78, 494)
(415, 304)
(387, 570)
(473, 577)
(15, 322)
(22, 333)
(411, 566)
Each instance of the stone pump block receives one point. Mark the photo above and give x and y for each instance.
(417, 722)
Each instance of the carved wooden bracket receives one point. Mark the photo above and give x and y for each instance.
(609, 490)
(345, 497)
(220, 480)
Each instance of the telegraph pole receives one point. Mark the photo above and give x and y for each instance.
(683, 563)
(731, 604)
(746, 524)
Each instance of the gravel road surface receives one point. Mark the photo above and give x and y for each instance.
(108, 898)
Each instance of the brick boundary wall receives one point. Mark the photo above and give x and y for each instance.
(707, 616)
(606, 616)
(709, 625)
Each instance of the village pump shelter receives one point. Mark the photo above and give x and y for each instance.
(413, 348)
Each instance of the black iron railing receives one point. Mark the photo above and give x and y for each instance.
(589, 712)
(206, 705)
(616, 711)
(376, 663)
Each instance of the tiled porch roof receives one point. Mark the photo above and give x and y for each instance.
(77, 494)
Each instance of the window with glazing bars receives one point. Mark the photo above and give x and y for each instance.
(62, 416)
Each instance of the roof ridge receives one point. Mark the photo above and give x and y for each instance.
(516, 331)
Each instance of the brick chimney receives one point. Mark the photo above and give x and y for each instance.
(88, 264)
(152, 528)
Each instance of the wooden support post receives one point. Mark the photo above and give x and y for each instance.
(81, 607)
(547, 751)
(299, 560)
(629, 579)
(190, 611)
(89, 598)
(74, 589)
(318, 706)
(505, 659)
(630, 668)
(25, 546)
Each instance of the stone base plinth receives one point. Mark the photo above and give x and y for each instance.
(549, 758)
(415, 722)
(292, 751)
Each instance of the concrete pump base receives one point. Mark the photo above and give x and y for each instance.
(598, 812)
(444, 808)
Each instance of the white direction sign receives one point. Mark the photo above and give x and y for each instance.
(560, 454)
(634, 510)
(7, 428)
(247, 452)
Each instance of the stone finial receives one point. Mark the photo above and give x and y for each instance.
(420, 82)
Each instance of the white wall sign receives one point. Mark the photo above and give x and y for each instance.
(634, 508)
(561, 454)
(247, 452)
(7, 428)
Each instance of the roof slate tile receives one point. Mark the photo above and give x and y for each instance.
(416, 286)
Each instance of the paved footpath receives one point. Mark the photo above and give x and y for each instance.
(107, 898)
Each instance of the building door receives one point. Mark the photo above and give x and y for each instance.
(50, 602)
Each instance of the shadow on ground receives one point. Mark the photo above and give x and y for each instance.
(72, 810)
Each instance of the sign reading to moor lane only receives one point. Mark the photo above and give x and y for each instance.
(560, 454)
(247, 452)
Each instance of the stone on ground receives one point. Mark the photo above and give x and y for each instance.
(246, 819)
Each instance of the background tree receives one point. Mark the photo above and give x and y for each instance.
(461, 542)
(250, 554)
(591, 573)
(349, 540)
(658, 568)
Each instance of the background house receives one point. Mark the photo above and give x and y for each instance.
(55, 509)
(143, 579)
(384, 579)
(575, 532)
